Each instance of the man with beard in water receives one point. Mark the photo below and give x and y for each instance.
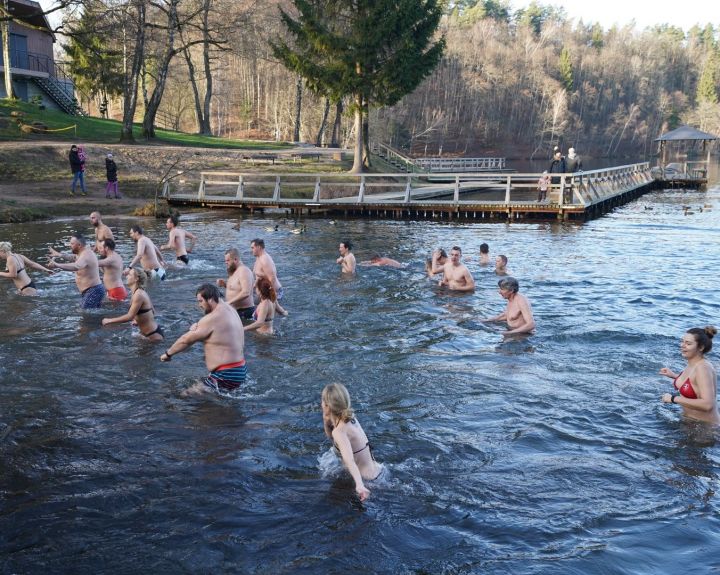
(102, 231)
(239, 285)
(222, 334)
(87, 274)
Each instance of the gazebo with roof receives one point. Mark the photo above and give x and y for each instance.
(684, 134)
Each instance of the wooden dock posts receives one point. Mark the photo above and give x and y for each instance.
(449, 197)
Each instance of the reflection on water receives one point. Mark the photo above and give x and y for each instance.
(547, 453)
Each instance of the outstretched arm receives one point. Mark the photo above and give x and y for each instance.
(36, 266)
(196, 333)
(135, 304)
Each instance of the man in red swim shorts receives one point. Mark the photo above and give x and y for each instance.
(112, 267)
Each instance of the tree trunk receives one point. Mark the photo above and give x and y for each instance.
(366, 135)
(130, 88)
(5, 32)
(323, 124)
(196, 94)
(153, 103)
(337, 125)
(205, 126)
(358, 165)
(298, 108)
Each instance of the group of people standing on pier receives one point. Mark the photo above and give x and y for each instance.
(252, 301)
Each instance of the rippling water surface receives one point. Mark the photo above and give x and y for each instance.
(550, 454)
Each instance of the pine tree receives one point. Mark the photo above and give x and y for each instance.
(707, 91)
(566, 69)
(374, 51)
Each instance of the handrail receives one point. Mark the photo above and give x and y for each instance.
(436, 164)
(578, 190)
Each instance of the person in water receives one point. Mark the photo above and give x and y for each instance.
(265, 311)
(436, 263)
(518, 313)
(696, 385)
(16, 269)
(348, 437)
(176, 239)
(141, 308)
(84, 264)
(378, 260)
(239, 284)
(456, 276)
(347, 258)
(501, 262)
(112, 268)
(484, 254)
(223, 337)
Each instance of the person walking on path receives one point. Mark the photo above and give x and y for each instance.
(112, 179)
(77, 167)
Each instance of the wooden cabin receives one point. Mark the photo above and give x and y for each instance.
(32, 61)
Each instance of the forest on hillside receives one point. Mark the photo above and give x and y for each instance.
(511, 83)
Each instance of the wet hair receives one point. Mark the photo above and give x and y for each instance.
(503, 258)
(348, 245)
(510, 284)
(142, 277)
(456, 248)
(174, 218)
(209, 292)
(266, 289)
(258, 242)
(703, 336)
(375, 258)
(136, 228)
(109, 243)
(5, 247)
(80, 238)
(443, 253)
(233, 252)
(337, 398)
(484, 248)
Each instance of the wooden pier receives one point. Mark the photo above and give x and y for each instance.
(464, 196)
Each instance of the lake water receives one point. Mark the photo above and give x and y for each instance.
(550, 454)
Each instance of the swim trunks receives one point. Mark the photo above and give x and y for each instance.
(227, 377)
(157, 273)
(246, 312)
(117, 293)
(159, 330)
(184, 259)
(92, 297)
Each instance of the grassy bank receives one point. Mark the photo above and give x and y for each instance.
(87, 129)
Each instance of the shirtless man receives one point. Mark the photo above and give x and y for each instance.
(112, 267)
(518, 313)
(87, 275)
(378, 260)
(222, 334)
(102, 232)
(148, 254)
(239, 284)
(501, 266)
(176, 239)
(265, 268)
(484, 255)
(16, 269)
(347, 258)
(436, 263)
(456, 276)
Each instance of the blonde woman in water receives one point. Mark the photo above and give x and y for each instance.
(16, 269)
(348, 437)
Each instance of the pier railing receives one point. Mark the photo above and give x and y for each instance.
(578, 190)
(438, 164)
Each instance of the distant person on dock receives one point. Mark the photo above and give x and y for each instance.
(239, 284)
(501, 265)
(436, 263)
(484, 254)
(265, 268)
(456, 276)
(573, 162)
(347, 258)
(176, 239)
(348, 437)
(77, 167)
(102, 231)
(16, 269)
(112, 177)
(84, 264)
(265, 310)
(112, 267)
(221, 332)
(696, 385)
(543, 185)
(378, 260)
(147, 254)
(517, 314)
(141, 308)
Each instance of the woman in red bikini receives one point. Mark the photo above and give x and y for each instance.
(696, 385)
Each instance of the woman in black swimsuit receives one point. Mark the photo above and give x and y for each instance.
(16, 269)
(349, 438)
(141, 308)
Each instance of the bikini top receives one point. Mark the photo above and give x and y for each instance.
(686, 389)
(19, 263)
